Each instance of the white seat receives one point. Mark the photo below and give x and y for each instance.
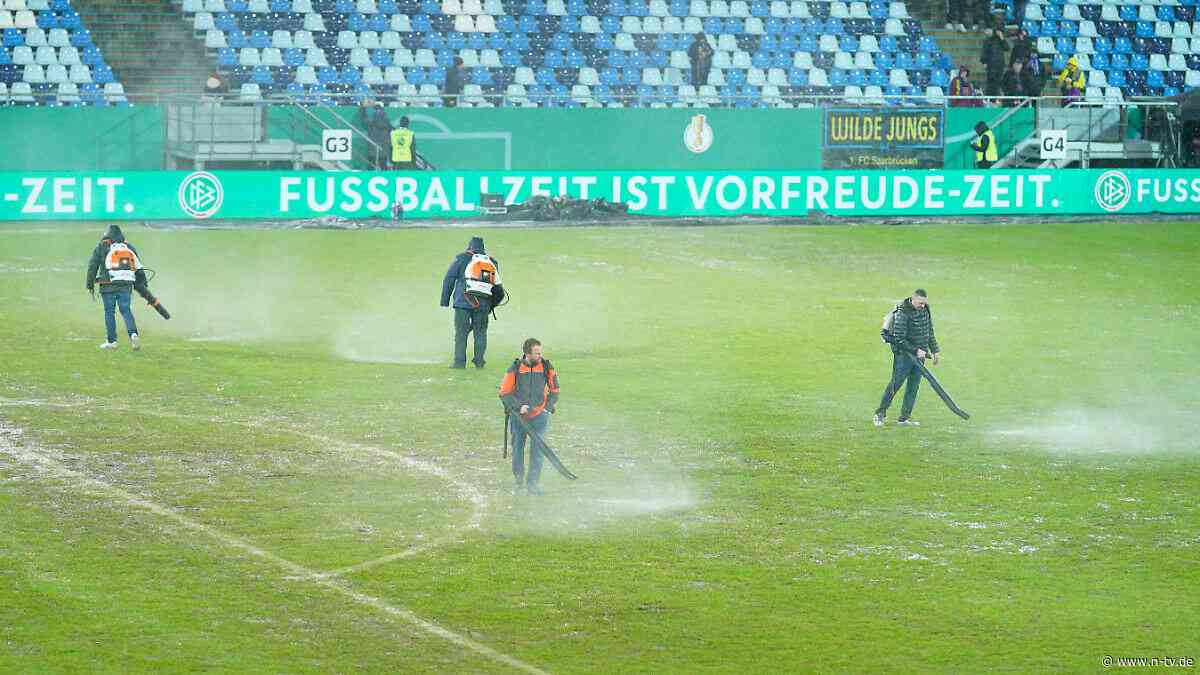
(203, 22)
(470, 58)
(718, 8)
(23, 55)
(1192, 79)
(935, 95)
(631, 25)
(3, 93)
(81, 74)
(679, 59)
(1087, 29)
(1114, 95)
(57, 73)
(899, 78)
(754, 26)
(390, 40)
(673, 76)
(193, 6)
(802, 60)
(1084, 46)
(1162, 29)
(249, 57)
(1183, 29)
(652, 25)
(35, 74)
(698, 8)
(316, 57)
(770, 95)
(425, 58)
(672, 25)
(843, 61)
(1094, 93)
(1177, 62)
(306, 75)
(251, 93)
(36, 37)
(368, 39)
(485, 24)
(1195, 46)
(742, 60)
(839, 10)
(58, 37)
(777, 77)
(21, 92)
(556, 8)
(1107, 13)
(372, 75)
(818, 78)
(46, 55)
(68, 56)
(214, 6)
(1033, 12)
(302, 6)
(515, 93)
(282, 39)
(272, 57)
(1158, 62)
(858, 10)
(1084, 61)
(473, 7)
(589, 24)
(24, 19)
(303, 39)
(1180, 46)
(359, 57)
(779, 9)
(347, 39)
(652, 76)
(581, 93)
(868, 44)
(727, 42)
(6, 19)
(1071, 12)
(1097, 78)
(894, 27)
(493, 7)
(756, 77)
(659, 8)
(716, 77)
(258, 7)
(524, 76)
(314, 22)
(624, 42)
(68, 92)
(687, 92)
(692, 25)
(1146, 13)
(489, 58)
(739, 9)
(829, 43)
(394, 75)
(864, 61)
(464, 23)
(898, 10)
(367, 7)
(589, 76)
(853, 94)
(1045, 45)
(407, 93)
(401, 23)
(722, 60)
(404, 57)
(873, 95)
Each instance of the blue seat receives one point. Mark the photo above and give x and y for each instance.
(1142, 46)
(1032, 27)
(1145, 29)
(1053, 12)
(834, 27)
(236, 6)
(356, 22)
(1129, 12)
(81, 39)
(1160, 46)
(1119, 62)
(680, 8)
(1155, 79)
(893, 94)
(848, 43)
(1065, 45)
(91, 56)
(878, 78)
(456, 41)
(878, 10)
(1099, 61)
(260, 40)
(887, 44)
(808, 44)
(838, 78)
(760, 8)
(262, 76)
(1049, 29)
(1170, 92)
(1102, 45)
(712, 25)
(857, 78)
(226, 57)
(1174, 78)
(1058, 62)
(1123, 45)
(939, 78)
(378, 22)
(1069, 29)
(924, 61)
(327, 75)
(1139, 62)
(906, 61)
(1166, 13)
(928, 44)
(884, 61)
(237, 39)
(46, 20)
(798, 77)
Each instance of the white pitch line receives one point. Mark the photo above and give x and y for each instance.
(468, 491)
(9, 445)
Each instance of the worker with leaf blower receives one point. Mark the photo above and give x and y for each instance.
(473, 281)
(909, 330)
(529, 391)
(117, 269)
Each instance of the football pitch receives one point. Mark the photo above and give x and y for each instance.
(288, 478)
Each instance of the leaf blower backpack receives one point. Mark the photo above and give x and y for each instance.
(480, 276)
(121, 263)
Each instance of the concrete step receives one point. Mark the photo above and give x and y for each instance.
(149, 44)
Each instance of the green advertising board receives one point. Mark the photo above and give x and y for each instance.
(283, 195)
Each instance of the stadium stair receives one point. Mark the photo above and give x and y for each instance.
(137, 35)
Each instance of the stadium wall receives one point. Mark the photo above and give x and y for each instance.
(131, 139)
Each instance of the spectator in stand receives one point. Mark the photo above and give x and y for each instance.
(701, 55)
(962, 13)
(1071, 82)
(456, 78)
(1023, 47)
(962, 91)
(215, 86)
(374, 119)
(1031, 77)
(992, 57)
(1014, 84)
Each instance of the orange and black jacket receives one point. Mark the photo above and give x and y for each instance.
(535, 386)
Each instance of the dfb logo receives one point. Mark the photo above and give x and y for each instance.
(200, 194)
(1113, 191)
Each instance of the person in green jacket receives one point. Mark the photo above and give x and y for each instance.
(912, 339)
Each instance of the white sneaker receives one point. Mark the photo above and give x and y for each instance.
(108, 345)
(877, 420)
(135, 342)
(949, 26)
(909, 422)
(961, 28)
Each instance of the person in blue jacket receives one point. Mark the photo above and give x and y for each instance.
(472, 306)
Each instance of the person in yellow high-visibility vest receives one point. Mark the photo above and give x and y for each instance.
(987, 152)
(404, 147)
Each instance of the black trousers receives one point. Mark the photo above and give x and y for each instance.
(904, 374)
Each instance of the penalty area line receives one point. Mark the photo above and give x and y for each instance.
(10, 445)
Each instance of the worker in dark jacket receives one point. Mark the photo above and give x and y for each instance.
(473, 282)
(529, 389)
(379, 129)
(911, 336)
(116, 268)
(456, 80)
